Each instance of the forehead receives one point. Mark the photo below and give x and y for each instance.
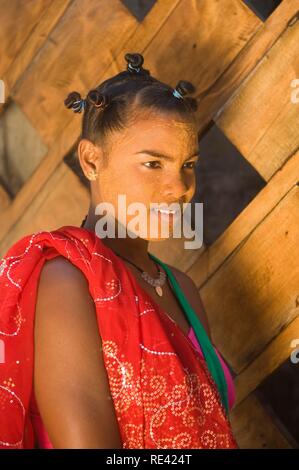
(162, 133)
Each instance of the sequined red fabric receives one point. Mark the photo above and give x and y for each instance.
(163, 393)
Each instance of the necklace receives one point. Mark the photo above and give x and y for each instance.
(157, 283)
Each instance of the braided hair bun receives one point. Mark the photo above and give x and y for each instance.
(134, 64)
(97, 99)
(184, 88)
(94, 98)
(74, 101)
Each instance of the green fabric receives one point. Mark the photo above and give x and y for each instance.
(212, 360)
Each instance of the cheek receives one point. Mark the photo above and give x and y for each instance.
(138, 183)
(114, 180)
(127, 186)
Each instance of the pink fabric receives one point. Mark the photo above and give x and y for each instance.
(42, 438)
(228, 376)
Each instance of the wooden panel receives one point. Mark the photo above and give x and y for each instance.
(244, 224)
(77, 37)
(62, 201)
(251, 298)
(37, 37)
(215, 97)
(270, 358)
(37, 180)
(74, 57)
(254, 428)
(18, 19)
(261, 119)
(222, 45)
(217, 32)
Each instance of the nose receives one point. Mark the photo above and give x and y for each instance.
(179, 188)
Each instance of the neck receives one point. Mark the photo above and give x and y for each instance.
(133, 249)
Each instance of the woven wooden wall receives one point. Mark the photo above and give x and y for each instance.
(243, 69)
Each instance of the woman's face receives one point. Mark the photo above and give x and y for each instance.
(135, 171)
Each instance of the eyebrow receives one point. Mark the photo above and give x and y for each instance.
(154, 153)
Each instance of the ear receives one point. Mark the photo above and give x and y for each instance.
(89, 156)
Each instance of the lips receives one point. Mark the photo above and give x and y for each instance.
(164, 208)
(166, 215)
(165, 211)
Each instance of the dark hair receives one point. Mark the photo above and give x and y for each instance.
(119, 100)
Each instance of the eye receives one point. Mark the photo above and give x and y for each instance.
(191, 167)
(153, 161)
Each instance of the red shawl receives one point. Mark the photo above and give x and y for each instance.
(163, 393)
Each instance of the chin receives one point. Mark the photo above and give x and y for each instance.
(158, 239)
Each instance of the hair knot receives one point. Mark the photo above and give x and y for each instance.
(134, 64)
(75, 102)
(97, 99)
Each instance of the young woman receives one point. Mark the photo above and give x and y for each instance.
(105, 345)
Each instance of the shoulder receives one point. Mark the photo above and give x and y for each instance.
(192, 294)
(63, 269)
(63, 294)
(60, 271)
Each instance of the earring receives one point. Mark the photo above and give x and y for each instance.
(92, 176)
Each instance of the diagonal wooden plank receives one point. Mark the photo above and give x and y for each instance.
(251, 298)
(80, 48)
(214, 98)
(254, 428)
(274, 354)
(18, 19)
(29, 48)
(241, 228)
(37, 180)
(266, 132)
(216, 33)
(63, 200)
